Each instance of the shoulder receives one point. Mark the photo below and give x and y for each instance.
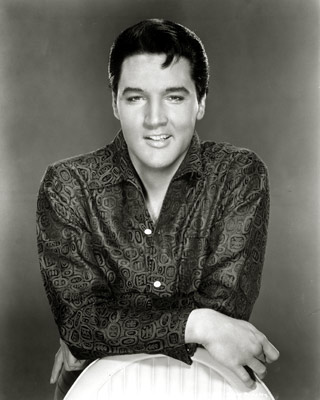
(225, 157)
(87, 169)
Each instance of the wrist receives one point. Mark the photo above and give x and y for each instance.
(200, 326)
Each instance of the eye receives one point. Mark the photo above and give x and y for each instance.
(173, 98)
(134, 99)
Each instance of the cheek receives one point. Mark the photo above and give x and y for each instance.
(186, 122)
(186, 116)
(129, 119)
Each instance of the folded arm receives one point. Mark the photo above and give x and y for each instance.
(93, 321)
(232, 275)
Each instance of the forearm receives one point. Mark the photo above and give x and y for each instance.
(95, 331)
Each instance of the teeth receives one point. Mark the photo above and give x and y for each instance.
(158, 137)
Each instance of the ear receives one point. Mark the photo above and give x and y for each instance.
(114, 106)
(201, 107)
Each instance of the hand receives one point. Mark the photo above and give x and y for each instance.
(66, 359)
(234, 343)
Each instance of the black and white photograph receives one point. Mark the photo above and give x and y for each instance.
(159, 199)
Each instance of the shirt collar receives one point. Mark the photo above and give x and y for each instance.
(125, 170)
(122, 160)
(191, 164)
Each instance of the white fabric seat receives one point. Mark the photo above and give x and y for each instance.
(153, 377)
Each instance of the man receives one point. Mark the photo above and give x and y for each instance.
(155, 243)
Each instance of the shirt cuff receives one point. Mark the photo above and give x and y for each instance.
(184, 351)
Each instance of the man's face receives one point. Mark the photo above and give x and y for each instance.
(158, 109)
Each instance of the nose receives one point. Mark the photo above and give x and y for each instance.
(155, 115)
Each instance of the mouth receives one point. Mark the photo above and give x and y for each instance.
(158, 138)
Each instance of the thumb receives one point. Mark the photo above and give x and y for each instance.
(57, 366)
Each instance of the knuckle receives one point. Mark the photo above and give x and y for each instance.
(248, 381)
(262, 370)
(70, 366)
(73, 367)
(256, 348)
(248, 325)
(244, 376)
(263, 374)
(263, 338)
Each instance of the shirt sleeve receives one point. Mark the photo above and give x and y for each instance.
(231, 278)
(91, 321)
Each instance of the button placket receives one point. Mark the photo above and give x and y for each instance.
(148, 250)
(150, 262)
(155, 282)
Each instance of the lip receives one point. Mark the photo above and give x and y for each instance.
(158, 141)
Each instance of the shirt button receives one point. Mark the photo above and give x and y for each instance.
(148, 231)
(157, 284)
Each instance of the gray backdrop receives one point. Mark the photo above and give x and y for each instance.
(54, 103)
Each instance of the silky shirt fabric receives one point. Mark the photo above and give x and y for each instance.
(118, 282)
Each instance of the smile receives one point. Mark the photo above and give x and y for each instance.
(158, 138)
(158, 141)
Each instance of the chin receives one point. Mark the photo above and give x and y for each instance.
(162, 166)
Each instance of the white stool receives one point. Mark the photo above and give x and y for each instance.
(158, 377)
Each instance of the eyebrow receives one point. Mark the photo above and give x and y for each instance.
(168, 90)
(178, 89)
(131, 89)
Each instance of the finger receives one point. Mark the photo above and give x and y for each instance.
(57, 366)
(75, 365)
(270, 352)
(261, 357)
(258, 367)
(245, 377)
(70, 362)
(68, 358)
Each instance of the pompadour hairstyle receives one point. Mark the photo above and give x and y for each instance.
(157, 36)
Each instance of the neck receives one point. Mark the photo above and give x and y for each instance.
(156, 181)
(156, 184)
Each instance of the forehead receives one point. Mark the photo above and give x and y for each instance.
(146, 70)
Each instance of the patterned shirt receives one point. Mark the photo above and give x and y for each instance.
(117, 282)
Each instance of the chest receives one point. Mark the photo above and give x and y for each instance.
(163, 258)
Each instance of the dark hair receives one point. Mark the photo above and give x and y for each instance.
(157, 36)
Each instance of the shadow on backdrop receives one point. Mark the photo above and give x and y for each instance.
(263, 95)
